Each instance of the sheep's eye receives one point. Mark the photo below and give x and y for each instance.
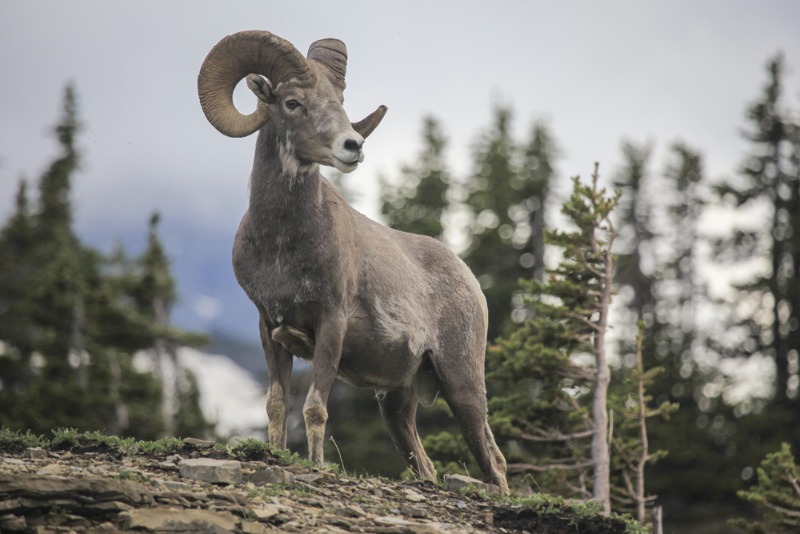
(292, 104)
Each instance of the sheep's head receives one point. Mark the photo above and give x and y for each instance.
(301, 96)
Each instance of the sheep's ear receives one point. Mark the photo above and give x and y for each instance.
(261, 87)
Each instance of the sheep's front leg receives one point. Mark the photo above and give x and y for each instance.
(279, 364)
(327, 353)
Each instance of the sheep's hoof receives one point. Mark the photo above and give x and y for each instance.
(295, 341)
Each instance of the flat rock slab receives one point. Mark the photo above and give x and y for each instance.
(22, 494)
(180, 520)
(212, 470)
(270, 475)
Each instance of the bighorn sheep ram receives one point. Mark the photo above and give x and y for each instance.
(377, 308)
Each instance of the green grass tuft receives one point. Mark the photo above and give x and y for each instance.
(161, 447)
(15, 441)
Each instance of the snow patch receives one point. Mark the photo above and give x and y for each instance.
(229, 396)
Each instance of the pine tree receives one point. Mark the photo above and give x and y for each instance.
(538, 170)
(507, 194)
(770, 177)
(542, 394)
(679, 293)
(632, 452)
(155, 296)
(68, 323)
(59, 282)
(776, 495)
(636, 235)
(418, 203)
(16, 302)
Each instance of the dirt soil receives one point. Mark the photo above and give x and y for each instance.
(201, 489)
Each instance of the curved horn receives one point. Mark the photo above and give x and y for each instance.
(233, 58)
(365, 126)
(332, 54)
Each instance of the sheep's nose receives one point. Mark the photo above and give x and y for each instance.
(353, 145)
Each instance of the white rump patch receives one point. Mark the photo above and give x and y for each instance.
(399, 322)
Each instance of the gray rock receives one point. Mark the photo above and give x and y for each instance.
(458, 482)
(309, 478)
(266, 511)
(35, 453)
(12, 522)
(254, 527)
(405, 525)
(69, 494)
(211, 470)
(412, 495)
(170, 519)
(270, 475)
(53, 470)
(350, 510)
(416, 512)
(199, 443)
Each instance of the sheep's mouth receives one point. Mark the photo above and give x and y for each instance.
(346, 166)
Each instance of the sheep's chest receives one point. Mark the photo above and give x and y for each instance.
(286, 284)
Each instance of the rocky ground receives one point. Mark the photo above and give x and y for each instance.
(202, 488)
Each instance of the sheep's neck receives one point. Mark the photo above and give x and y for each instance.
(282, 190)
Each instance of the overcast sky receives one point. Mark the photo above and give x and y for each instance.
(599, 72)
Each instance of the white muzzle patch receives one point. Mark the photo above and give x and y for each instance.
(347, 151)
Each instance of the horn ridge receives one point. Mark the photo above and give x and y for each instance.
(229, 61)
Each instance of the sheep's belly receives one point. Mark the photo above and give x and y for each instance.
(366, 362)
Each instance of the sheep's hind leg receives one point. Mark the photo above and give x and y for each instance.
(467, 400)
(399, 410)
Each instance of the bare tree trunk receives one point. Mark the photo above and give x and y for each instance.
(121, 419)
(601, 457)
(77, 352)
(167, 368)
(658, 527)
(640, 496)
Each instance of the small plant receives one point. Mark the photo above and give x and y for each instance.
(160, 447)
(71, 438)
(577, 511)
(15, 441)
(252, 449)
(135, 476)
(777, 494)
(65, 438)
(473, 491)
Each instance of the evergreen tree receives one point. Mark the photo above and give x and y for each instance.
(506, 197)
(155, 296)
(418, 203)
(776, 495)
(16, 302)
(547, 405)
(69, 325)
(59, 282)
(771, 177)
(536, 174)
(679, 289)
(636, 235)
